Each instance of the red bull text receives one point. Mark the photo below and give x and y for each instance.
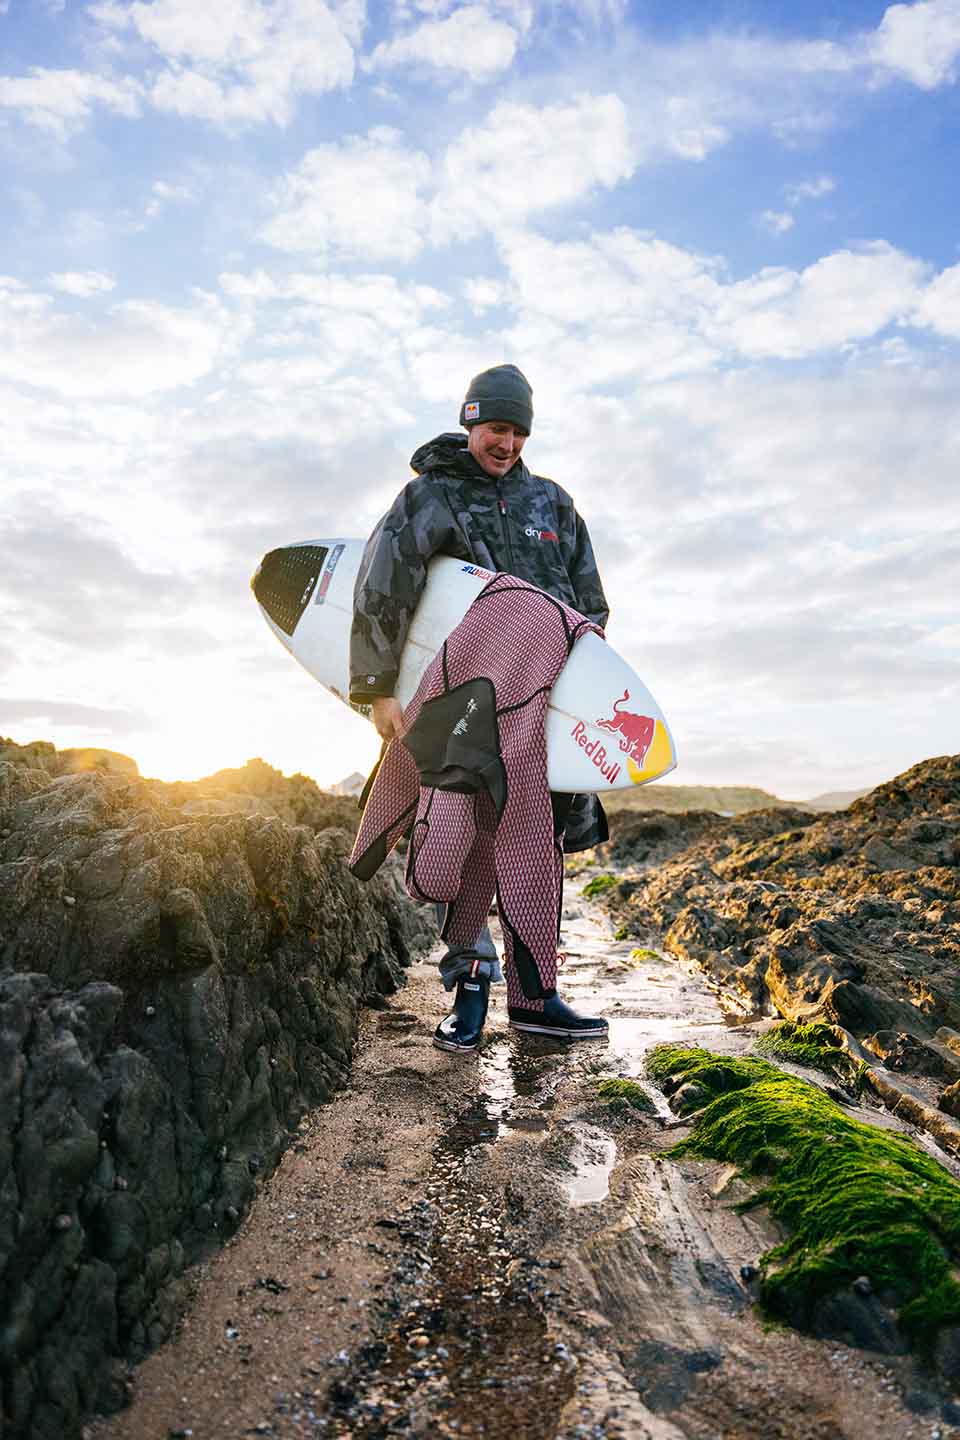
(635, 731)
(597, 753)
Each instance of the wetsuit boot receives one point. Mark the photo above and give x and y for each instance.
(462, 1028)
(556, 1018)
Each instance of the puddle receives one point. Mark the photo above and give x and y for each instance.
(593, 1157)
(515, 1081)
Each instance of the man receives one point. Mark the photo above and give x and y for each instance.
(474, 498)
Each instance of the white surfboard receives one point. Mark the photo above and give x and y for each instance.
(604, 730)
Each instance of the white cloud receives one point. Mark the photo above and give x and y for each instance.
(809, 189)
(920, 42)
(483, 294)
(939, 306)
(395, 307)
(163, 193)
(82, 283)
(359, 197)
(778, 222)
(134, 348)
(471, 41)
(60, 100)
(623, 308)
(522, 160)
(689, 129)
(843, 297)
(241, 61)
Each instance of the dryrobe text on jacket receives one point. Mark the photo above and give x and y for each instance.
(467, 781)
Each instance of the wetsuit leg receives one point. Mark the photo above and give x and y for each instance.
(464, 922)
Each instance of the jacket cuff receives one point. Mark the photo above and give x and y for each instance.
(364, 688)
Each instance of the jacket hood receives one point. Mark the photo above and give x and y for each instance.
(445, 452)
(449, 454)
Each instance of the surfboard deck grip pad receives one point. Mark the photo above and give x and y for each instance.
(286, 580)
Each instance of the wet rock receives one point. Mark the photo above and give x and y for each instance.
(159, 1041)
(852, 917)
(858, 1318)
(665, 1374)
(899, 1050)
(949, 1101)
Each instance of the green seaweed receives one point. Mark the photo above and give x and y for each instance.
(598, 885)
(641, 954)
(855, 1199)
(622, 1096)
(817, 1045)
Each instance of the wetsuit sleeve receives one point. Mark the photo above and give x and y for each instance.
(389, 584)
(591, 600)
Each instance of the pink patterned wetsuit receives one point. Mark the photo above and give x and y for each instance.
(467, 782)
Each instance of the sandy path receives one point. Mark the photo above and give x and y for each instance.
(471, 1246)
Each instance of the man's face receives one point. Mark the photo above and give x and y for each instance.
(495, 445)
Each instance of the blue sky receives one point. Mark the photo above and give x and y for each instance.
(254, 250)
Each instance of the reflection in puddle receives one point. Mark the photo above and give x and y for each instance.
(514, 1082)
(593, 1158)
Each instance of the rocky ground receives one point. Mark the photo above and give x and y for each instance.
(853, 918)
(448, 1246)
(481, 1247)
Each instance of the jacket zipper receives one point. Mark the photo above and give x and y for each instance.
(502, 506)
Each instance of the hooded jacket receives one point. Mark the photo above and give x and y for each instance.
(522, 524)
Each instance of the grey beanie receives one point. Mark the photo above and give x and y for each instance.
(501, 393)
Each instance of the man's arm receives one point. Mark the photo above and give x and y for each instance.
(392, 575)
(591, 600)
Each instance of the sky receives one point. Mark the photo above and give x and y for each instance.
(252, 252)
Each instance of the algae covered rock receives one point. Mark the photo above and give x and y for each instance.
(174, 992)
(872, 1221)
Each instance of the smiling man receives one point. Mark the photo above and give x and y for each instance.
(474, 498)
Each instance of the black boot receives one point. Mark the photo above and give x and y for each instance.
(462, 1028)
(556, 1018)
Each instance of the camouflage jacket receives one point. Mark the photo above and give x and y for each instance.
(522, 524)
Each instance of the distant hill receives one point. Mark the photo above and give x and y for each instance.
(675, 799)
(833, 799)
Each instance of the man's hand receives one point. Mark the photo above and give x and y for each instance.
(387, 716)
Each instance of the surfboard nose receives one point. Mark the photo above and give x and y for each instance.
(284, 581)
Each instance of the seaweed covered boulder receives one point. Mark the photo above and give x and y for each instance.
(871, 1222)
(174, 992)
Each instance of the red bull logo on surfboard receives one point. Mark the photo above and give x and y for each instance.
(635, 731)
(609, 769)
